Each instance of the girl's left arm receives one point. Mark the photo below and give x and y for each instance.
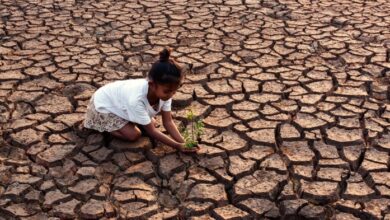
(170, 126)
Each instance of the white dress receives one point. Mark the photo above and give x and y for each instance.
(117, 103)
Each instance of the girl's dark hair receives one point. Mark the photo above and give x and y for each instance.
(165, 70)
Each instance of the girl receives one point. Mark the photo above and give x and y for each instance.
(120, 107)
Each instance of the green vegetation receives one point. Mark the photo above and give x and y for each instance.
(192, 132)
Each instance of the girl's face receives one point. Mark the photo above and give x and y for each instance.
(165, 91)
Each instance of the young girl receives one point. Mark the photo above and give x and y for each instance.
(120, 107)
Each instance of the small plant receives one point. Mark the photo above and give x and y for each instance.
(192, 132)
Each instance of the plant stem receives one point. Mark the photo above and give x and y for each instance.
(192, 127)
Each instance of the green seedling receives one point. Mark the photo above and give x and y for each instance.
(192, 132)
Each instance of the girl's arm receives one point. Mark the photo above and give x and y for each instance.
(170, 126)
(158, 135)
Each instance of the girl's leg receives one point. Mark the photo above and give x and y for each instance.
(128, 132)
(118, 134)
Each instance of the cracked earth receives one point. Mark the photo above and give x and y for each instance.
(294, 95)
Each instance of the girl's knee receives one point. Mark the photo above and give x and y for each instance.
(135, 135)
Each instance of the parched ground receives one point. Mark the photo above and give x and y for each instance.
(294, 95)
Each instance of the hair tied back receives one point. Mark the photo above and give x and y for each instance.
(165, 54)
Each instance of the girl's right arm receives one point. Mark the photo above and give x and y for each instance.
(158, 135)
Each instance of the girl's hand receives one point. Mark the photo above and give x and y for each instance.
(170, 126)
(185, 149)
